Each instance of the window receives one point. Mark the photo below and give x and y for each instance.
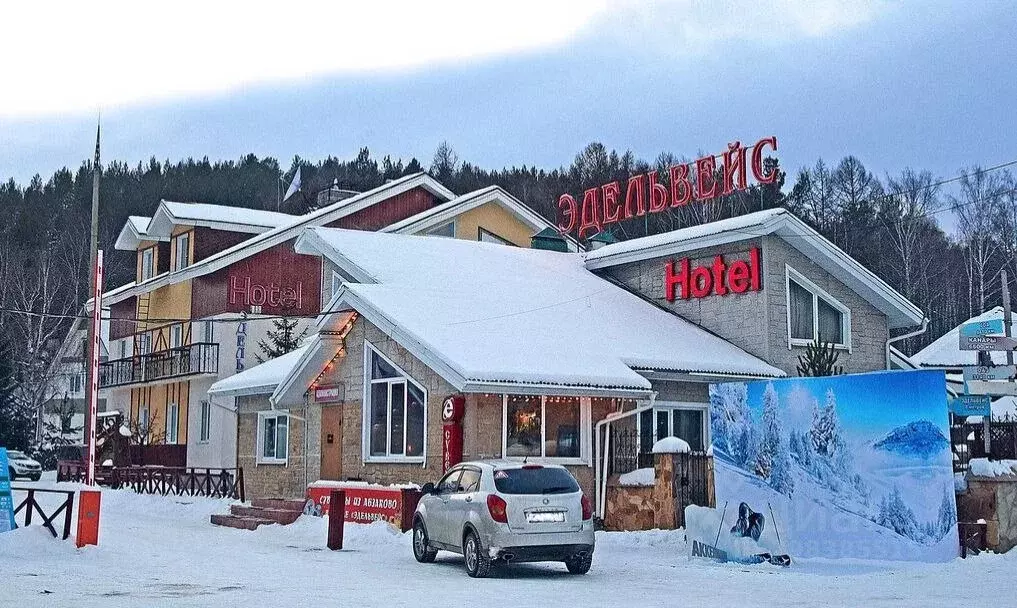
(813, 315)
(143, 421)
(123, 349)
(208, 332)
(686, 421)
(76, 383)
(205, 428)
(147, 263)
(450, 482)
(273, 436)
(545, 427)
(176, 335)
(337, 282)
(486, 236)
(470, 481)
(448, 230)
(395, 415)
(182, 251)
(172, 421)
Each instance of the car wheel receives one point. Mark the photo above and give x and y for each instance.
(421, 551)
(478, 564)
(579, 564)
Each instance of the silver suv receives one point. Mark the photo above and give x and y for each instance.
(505, 511)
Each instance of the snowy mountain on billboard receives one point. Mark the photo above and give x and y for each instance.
(848, 476)
(920, 438)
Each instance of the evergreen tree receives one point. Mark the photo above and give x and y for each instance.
(819, 359)
(825, 432)
(16, 424)
(947, 514)
(281, 340)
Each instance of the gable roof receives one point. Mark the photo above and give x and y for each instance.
(220, 217)
(261, 378)
(281, 234)
(134, 231)
(900, 311)
(486, 316)
(447, 212)
(945, 351)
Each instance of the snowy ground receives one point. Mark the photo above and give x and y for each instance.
(157, 551)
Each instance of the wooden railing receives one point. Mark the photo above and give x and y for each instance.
(180, 481)
(29, 506)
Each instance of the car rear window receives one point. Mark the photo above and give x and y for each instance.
(15, 454)
(535, 480)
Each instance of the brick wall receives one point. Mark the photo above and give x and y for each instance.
(757, 321)
(274, 480)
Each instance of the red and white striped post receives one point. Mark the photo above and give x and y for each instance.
(93, 390)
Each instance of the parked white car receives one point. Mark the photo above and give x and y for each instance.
(504, 512)
(20, 465)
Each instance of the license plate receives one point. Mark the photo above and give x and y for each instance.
(541, 517)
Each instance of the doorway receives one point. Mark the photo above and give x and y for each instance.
(332, 442)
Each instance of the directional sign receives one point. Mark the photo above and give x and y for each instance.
(970, 405)
(6, 500)
(987, 343)
(982, 328)
(991, 387)
(993, 372)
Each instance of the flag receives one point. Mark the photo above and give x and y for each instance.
(294, 185)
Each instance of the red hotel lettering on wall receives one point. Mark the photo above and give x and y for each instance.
(718, 278)
(701, 180)
(246, 293)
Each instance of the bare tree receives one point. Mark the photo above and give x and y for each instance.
(903, 214)
(979, 212)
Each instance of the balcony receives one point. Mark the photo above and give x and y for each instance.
(190, 360)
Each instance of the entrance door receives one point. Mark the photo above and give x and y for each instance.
(331, 442)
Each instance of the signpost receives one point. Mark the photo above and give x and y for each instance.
(982, 328)
(988, 343)
(989, 372)
(970, 405)
(6, 500)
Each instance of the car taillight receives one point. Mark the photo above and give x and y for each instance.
(530, 467)
(587, 508)
(496, 505)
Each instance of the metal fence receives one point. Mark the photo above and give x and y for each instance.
(197, 358)
(968, 441)
(625, 455)
(691, 483)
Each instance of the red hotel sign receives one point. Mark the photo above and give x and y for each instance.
(603, 205)
(719, 278)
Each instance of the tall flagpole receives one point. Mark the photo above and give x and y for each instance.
(93, 252)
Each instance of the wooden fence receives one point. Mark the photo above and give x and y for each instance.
(968, 441)
(180, 481)
(30, 506)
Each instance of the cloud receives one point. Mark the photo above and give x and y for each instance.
(80, 56)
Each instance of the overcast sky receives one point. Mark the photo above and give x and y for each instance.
(927, 84)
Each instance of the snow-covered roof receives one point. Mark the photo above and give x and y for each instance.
(446, 212)
(262, 378)
(220, 217)
(485, 315)
(281, 234)
(899, 310)
(946, 352)
(134, 231)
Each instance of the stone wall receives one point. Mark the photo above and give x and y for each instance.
(272, 480)
(757, 321)
(629, 507)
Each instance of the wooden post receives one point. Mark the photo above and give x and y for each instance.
(336, 518)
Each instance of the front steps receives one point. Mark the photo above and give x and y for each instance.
(262, 511)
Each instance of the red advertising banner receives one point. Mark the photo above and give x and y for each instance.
(367, 504)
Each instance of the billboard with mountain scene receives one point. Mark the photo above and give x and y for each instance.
(853, 466)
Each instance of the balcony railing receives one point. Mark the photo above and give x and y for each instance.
(198, 358)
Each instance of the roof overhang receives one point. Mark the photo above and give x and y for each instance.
(900, 311)
(447, 212)
(131, 237)
(164, 220)
(282, 234)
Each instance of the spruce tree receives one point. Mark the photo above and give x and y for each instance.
(281, 340)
